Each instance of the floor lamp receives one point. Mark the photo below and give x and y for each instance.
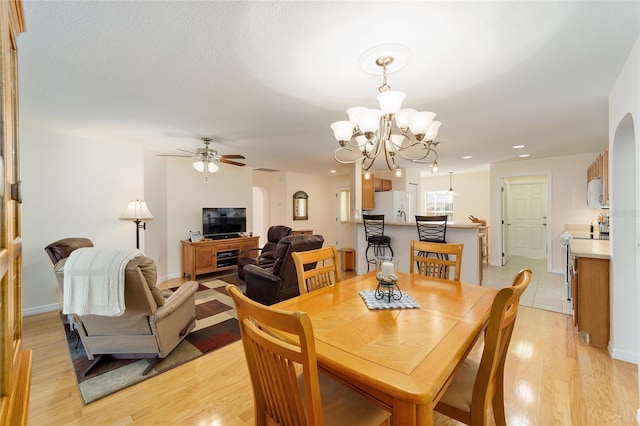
(138, 212)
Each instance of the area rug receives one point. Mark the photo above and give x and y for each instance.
(216, 326)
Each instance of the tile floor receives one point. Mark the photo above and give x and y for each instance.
(546, 291)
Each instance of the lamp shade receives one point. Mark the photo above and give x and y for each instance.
(390, 102)
(136, 210)
(342, 130)
(419, 122)
(199, 166)
(211, 167)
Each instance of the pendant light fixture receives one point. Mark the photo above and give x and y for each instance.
(451, 191)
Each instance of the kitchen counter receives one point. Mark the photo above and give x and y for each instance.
(402, 233)
(597, 249)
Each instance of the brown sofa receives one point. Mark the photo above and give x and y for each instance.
(280, 282)
(264, 257)
(151, 326)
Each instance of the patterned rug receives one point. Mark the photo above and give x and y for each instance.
(216, 326)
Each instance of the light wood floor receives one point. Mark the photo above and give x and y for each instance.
(552, 378)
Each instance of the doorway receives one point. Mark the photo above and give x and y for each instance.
(525, 217)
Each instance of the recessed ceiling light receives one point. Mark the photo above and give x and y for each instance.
(466, 157)
(523, 155)
(332, 171)
(518, 146)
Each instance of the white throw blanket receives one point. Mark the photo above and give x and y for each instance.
(94, 281)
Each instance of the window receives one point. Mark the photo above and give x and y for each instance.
(439, 203)
(345, 204)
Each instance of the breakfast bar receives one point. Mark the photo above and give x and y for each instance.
(402, 233)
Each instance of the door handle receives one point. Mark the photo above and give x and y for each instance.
(544, 224)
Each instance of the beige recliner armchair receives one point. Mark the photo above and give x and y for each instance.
(151, 326)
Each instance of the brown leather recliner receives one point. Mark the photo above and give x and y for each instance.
(280, 282)
(151, 326)
(266, 256)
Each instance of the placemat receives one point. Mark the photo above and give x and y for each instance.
(406, 302)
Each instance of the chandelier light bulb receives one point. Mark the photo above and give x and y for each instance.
(369, 120)
(398, 173)
(419, 122)
(391, 101)
(433, 131)
(435, 169)
(402, 118)
(367, 175)
(343, 130)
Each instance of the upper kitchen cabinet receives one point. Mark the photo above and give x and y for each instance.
(380, 185)
(368, 199)
(598, 181)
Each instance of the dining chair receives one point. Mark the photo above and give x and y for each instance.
(374, 233)
(446, 263)
(317, 268)
(477, 384)
(432, 228)
(287, 387)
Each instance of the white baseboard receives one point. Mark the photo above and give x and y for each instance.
(626, 356)
(638, 416)
(41, 309)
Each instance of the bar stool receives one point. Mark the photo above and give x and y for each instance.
(432, 229)
(374, 232)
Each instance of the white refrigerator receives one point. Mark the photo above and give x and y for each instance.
(396, 206)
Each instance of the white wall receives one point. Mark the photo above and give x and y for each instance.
(188, 192)
(73, 187)
(567, 187)
(624, 138)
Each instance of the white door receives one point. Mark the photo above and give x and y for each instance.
(528, 219)
(505, 223)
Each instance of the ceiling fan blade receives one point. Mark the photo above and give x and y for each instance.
(190, 152)
(235, 163)
(235, 156)
(173, 155)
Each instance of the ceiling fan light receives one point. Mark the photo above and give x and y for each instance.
(342, 130)
(212, 167)
(199, 166)
(420, 121)
(391, 101)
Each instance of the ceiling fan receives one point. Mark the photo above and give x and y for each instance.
(207, 157)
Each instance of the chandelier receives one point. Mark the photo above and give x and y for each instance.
(391, 131)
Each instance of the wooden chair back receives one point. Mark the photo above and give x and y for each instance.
(489, 374)
(273, 363)
(281, 355)
(436, 260)
(317, 268)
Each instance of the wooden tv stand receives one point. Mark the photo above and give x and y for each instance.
(207, 256)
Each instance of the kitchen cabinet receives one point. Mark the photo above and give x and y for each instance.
(380, 185)
(590, 298)
(368, 199)
(599, 169)
(203, 257)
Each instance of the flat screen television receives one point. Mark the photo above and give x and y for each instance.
(220, 222)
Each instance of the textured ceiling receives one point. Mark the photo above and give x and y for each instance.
(266, 79)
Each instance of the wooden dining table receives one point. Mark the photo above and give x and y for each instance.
(403, 359)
